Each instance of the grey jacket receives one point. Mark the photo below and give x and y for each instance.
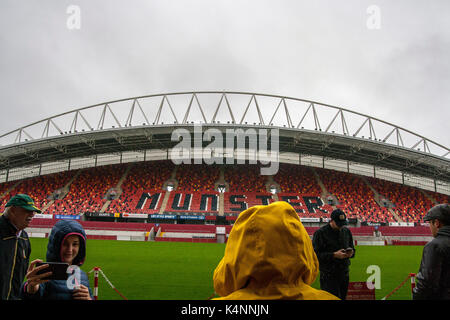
(433, 278)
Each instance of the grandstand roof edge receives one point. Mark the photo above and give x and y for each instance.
(109, 141)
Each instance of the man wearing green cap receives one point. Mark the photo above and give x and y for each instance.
(15, 247)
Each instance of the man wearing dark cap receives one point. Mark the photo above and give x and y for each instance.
(433, 278)
(333, 244)
(15, 247)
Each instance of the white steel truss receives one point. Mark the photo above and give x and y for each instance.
(366, 126)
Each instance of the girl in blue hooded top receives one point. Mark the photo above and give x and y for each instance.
(67, 243)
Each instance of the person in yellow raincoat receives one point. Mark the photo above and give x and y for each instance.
(269, 255)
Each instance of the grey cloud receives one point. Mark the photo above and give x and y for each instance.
(319, 50)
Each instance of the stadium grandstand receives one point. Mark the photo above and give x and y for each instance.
(121, 180)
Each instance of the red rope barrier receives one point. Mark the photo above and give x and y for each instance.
(410, 276)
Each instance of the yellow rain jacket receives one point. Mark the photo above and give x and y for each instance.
(269, 255)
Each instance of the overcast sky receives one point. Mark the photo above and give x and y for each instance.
(392, 63)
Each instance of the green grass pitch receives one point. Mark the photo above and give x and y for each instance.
(183, 271)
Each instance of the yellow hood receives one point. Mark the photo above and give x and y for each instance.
(269, 255)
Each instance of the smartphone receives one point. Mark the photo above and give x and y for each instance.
(58, 269)
(348, 250)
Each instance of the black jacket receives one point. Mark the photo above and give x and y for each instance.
(326, 241)
(14, 258)
(433, 278)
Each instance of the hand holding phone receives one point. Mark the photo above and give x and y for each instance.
(58, 270)
(340, 254)
(33, 278)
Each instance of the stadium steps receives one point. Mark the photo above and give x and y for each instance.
(270, 182)
(221, 204)
(121, 180)
(10, 189)
(325, 193)
(105, 206)
(377, 198)
(429, 197)
(125, 174)
(164, 203)
(151, 234)
(167, 194)
(65, 190)
(174, 173)
(48, 205)
(221, 181)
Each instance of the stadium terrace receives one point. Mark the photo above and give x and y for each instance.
(110, 166)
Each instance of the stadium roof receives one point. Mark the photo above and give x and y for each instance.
(305, 127)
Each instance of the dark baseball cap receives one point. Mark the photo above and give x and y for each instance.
(24, 201)
(440, 212)
(339, 217)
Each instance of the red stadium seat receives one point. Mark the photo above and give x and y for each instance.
(148, 177)
(39, 188)
(142, 191)
(355, 198)
(410, 203)
(88, 190)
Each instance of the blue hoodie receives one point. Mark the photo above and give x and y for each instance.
(57, 289)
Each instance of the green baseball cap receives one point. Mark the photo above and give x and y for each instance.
(24, 201)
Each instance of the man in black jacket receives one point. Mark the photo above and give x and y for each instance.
(333, 244)
(433, 278)
(15, 246)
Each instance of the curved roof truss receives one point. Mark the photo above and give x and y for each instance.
(146, 121)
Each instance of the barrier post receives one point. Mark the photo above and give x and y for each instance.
(413, 282)
(96, 272)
